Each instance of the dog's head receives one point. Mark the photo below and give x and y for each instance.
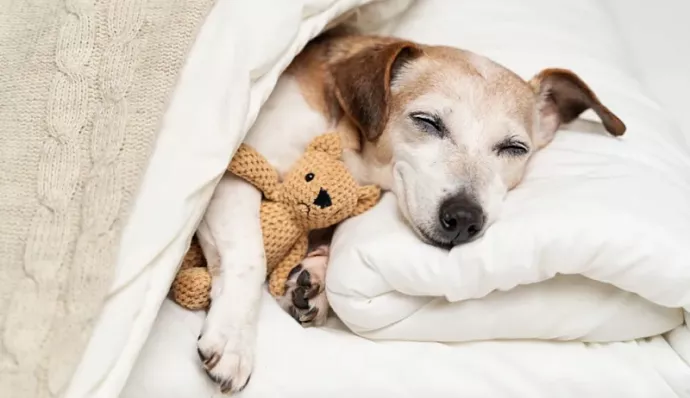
(457, 128)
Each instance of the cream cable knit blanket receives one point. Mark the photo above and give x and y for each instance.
(83, 86)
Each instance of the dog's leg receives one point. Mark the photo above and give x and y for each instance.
(232, 228)
(305, 295)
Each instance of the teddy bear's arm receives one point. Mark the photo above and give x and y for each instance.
(279, 275)
(252, 167)
(368, 197)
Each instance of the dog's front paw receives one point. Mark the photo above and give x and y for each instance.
(227, 358)
(305, 295)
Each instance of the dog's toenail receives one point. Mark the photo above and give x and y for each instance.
(246, 382)
(309, 315)
(226, 386)
(299, 300)
(304, 279)
(294, 271)
(211, 362)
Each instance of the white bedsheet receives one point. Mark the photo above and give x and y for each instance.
(333, 362)
(293, 362)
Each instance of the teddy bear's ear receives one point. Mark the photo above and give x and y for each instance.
(329, 143)
(368, 197)
(251, 166)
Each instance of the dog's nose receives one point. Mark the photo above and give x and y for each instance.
(461, 218)
(323, 199)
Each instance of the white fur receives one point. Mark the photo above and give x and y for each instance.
(230, 234)
(430, 169)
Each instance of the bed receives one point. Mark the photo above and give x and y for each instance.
(542, 305)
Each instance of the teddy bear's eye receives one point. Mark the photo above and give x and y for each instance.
(309, 177)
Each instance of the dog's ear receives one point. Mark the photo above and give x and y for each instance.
(561, 97)
(363, 80)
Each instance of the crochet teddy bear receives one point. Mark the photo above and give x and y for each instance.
(317, 192)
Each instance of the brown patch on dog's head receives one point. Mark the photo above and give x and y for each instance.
(562, 97)
(362, 83)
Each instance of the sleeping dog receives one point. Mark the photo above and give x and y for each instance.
(448, 131)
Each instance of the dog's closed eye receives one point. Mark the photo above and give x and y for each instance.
(511, 146)
(429, 123)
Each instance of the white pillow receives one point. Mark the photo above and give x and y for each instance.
(612, 210)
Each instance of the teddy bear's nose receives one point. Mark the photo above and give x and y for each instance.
(323, 199)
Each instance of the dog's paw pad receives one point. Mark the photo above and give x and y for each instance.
(305, 298)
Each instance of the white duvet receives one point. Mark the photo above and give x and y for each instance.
(239, 53)
(591, 205)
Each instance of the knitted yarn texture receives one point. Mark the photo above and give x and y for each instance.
(317, 192)
(83, 87)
